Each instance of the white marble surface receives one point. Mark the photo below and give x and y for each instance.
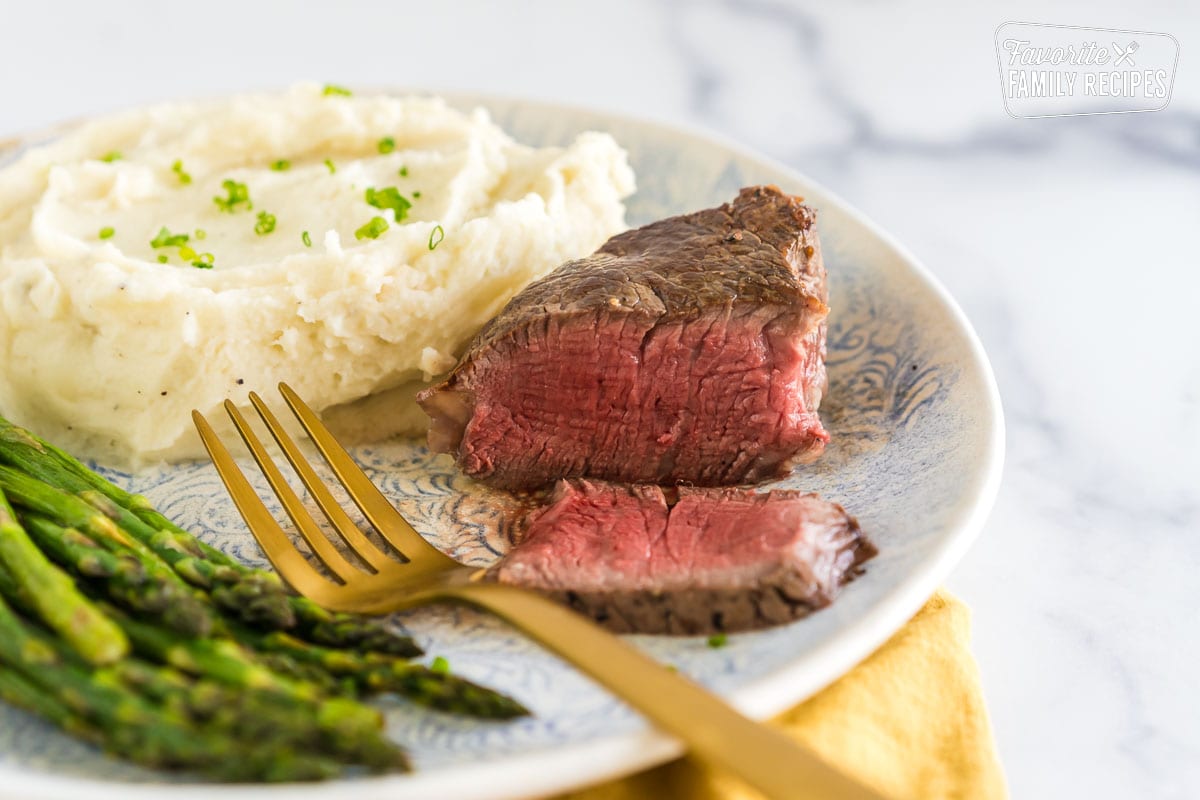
(1071, 244)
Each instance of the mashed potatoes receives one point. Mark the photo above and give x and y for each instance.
(166, 259)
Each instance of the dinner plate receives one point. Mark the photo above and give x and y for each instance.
(916, 455)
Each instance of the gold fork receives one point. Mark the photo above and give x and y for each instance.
(712, 730)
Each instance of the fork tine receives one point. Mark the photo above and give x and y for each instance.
(280, 551)
(322, 548)
(338, 518)
(377, 508)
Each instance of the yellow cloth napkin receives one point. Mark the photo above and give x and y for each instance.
(909, 720)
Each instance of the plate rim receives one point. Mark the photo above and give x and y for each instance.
(574, 766)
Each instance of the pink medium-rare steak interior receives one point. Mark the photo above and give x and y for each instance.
(712, 404)
(688, 351)
(715, 560)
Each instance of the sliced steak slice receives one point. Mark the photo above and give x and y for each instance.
(688, 351)
(715, 560)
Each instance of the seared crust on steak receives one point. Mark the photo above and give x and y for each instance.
(754, 249)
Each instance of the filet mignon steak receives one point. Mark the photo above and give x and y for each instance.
(687, 351)
(715, 560)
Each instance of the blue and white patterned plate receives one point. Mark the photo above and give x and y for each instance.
(916, 454)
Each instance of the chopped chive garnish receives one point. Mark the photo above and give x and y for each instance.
(336, 91)
(389, 198)
(201, 234)
(717, 640)
(329, 165)
(239, 195)
(304, 237)
(177, 168)
(436, 236)
(111, 156)
(387, 144)
(265, 224)
(203, 261)
(404, 172)
(416, 195)
(187, 253)
(106, 232)
(373, 229)
(439, 664)
(167, 239)
(282, 165)
(162, 258)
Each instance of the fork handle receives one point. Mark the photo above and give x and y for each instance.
(760, 756)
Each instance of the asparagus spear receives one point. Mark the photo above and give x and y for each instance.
(257, 597)
(186, 609)
(349, 728)
(244, 594)
(263, 716)
(20, 692)
(200, 700)
(256, 590)
(443, 691)
(285, 665)
(281, 720)
(12, 590)
(318, 624)
(274, 725)
(226, 661)
(136, 729)
(338, 629)
(53, 596)
(27, 451)
(119, 575)
(83, 555)
(220, 659)
(374, 672)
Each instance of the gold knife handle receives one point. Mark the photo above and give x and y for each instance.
(711, 729)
